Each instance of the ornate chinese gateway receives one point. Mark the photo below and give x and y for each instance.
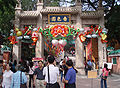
(46, 16)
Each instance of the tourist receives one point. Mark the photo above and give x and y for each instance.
(104, 76)
(70, 77)
(18, 78)
(38, 76)
(1, 72)
(14, 66)
(26, 67)
(51, 73)
(85, 67)
(67, 58)
(65, 69)
(88, 66)
(31, 72)
(89, 63)
(61, 69)
(93, 65)
(7, 76)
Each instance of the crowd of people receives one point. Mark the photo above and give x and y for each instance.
(90, 65)
(45, 76)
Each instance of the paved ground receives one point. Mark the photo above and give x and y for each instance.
(84, 82)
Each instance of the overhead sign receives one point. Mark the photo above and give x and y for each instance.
(59, 19)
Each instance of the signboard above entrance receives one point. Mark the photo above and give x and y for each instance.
(59, 18)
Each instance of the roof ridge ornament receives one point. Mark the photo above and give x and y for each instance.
(100, 7)
(78, 2)
(100, 3)
(40, 1)
(18, 5)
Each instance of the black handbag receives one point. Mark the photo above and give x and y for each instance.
(55, 85)
(103, 77)
(22, 85)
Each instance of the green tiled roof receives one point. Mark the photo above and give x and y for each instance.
(110, 48)
(114, 52)
(5, 48)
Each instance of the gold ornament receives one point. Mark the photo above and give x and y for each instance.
(17, 29)
(19, 33)
(104, 36)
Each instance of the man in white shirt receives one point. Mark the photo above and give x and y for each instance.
(51, 73)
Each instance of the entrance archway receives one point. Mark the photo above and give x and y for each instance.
(50, 16)
(57, 35)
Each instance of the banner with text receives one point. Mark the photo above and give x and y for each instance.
(59, 19)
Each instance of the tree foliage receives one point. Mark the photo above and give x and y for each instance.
(51, 2)
(7, 13)
(28, 5)
(7, 5)
(113, 24)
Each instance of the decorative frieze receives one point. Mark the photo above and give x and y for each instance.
(92, 14)
(88, 21)
(28, 21)
(28, 14)
(71, 10)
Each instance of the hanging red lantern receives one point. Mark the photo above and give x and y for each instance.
(34, 37)
(82, 38)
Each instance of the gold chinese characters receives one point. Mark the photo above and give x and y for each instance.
(59, 18)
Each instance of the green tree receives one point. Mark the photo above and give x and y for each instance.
(7, 13)
(7, 5)
(28, 5)
(113, 24)
(51, 2)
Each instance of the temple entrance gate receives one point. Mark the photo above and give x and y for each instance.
(42, 17)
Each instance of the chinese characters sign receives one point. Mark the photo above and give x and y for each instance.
(59, 18)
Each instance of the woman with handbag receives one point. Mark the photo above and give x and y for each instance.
(19, 79)
(104, 76)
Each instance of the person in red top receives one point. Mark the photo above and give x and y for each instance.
(104, 75)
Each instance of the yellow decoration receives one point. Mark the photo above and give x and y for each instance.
(66, 32)
(104, 36)
(83, 38)
(60, 31)
(53, 19)
(54, 35)
(64, 35)
(65, 18)
(58, 19)
(19, 33)
(17, 29)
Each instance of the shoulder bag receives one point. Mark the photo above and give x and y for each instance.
(103, 77)
(22, 85)
(55, 85)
